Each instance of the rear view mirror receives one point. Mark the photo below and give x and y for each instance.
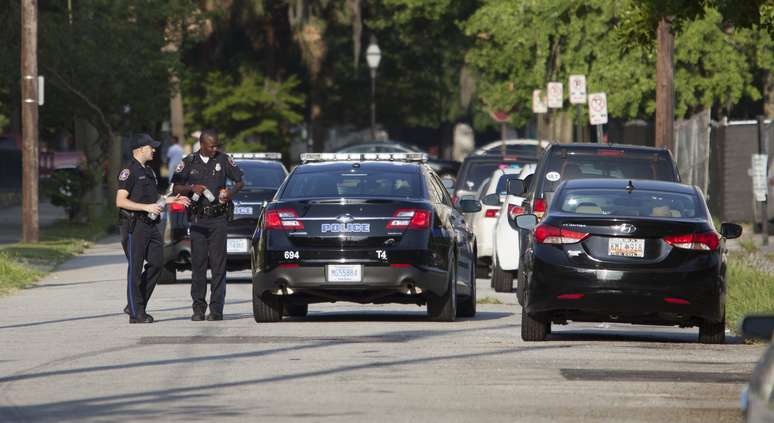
(469, 206)
(730, 230)
(491, 199)
(526, 221)
(758, 327)
(515, 187)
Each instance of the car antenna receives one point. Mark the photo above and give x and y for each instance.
(629, 187)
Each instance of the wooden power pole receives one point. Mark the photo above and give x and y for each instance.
(29, 111)
(665, 103)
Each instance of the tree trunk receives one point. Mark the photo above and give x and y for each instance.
(768, 106)
(176, 110)
(665, 107)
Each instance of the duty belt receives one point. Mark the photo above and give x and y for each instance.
(136, 216)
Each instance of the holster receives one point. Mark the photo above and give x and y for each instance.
(129, 217)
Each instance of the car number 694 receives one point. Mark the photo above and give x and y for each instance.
(291, 255)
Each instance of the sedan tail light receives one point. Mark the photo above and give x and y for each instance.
(409, 219)
(546, 234)
(514, 210)
(706, 241)
(282, 219)
(492, 213)
(539, 208)
(176, 208)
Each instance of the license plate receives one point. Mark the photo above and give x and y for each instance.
(344, 272)
(242, 210)
(626, 247)
(236, 245)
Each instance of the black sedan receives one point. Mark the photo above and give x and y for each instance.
(631, 251)
(365, 228)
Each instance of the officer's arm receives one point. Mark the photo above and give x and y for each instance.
(123, 202)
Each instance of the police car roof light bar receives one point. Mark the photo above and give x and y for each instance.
(266, 156)
(395, 157)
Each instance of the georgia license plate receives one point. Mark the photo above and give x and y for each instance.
(236, 245)
(626, 247)
(242, 210)
(344, 272)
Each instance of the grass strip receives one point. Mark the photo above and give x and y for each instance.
(750, 287)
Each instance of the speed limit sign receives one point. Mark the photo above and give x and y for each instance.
(598, 109)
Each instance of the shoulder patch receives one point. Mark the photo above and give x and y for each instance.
(180, 167)
(124, 175)
(231, 160)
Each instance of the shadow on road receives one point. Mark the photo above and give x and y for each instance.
(613, 335)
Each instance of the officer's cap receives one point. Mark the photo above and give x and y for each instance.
(141, 140)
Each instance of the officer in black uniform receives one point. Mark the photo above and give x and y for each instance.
(200, 175)
(140, 208)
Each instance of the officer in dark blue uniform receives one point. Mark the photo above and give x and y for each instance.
(202, 175)
(140, 208)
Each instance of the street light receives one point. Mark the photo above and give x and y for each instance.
(373, 56)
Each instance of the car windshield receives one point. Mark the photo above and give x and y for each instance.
(501, 188)
(480, 171)
(353, 184)
(619, 202)
(261, 174)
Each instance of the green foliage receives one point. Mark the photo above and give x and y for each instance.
(750, 286)
(250, 112)
(65, 188)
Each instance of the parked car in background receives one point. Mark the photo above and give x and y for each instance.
(626, 251)
(523, 147)
(505, 245)
(758, 396)
(445, 169)
(263, 173)
(476, 169)
(482, 223)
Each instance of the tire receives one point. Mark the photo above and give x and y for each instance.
(168, 274)
(502, 281)
(443, 308)
(296, 310)
(521, 293)
(467, 308)
(533, 329)
(267, 308)
(713, 332)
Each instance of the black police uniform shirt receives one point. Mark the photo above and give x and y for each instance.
(213, 174)
(140, 181)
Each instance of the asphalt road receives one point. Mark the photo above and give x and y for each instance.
(67, 353)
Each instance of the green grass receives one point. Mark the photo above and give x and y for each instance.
(488, 300)
(23, 264)
(750, 289)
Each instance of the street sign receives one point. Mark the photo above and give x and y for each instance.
(598, 109)
(500, 116)
(577, 89)
(758, 173)
(555, 95)
(539, 102)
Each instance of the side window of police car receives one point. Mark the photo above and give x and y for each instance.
(432, 191)
(442, 192)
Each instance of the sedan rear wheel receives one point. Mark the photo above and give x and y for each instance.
(502, 281)
(267, 308)
(443, 308)
(534, 329)
(296, 310)
(713, 332)
(467, 307)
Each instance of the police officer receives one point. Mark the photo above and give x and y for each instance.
(201, 175)
(140, 208)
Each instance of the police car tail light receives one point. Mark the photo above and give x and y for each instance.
(176, 208)
(546, 234)
(707, 241)
(283, 219)
(409, 219)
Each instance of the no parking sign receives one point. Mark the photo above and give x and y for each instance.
(598, 109)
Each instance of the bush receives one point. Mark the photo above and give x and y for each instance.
(66, 187)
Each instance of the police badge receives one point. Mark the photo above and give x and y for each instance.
(180, 167)
(217, 167)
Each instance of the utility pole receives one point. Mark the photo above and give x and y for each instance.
(665, 103)
(29, 106)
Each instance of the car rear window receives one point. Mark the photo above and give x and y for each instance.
(607, 163)
(619, 202)
(477, 173)
(326, 184)
(262, 175)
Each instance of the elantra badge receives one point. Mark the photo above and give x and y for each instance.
(626, 228)
(345, 227)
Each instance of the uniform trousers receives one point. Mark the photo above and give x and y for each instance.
(208, 247)
(142, 245)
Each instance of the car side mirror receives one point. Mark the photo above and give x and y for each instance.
(491, 199)
(758, 327)
(469, 206)
(526, 221)
(515, 187)
(730, 230)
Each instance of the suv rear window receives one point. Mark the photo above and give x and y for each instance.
(610, 202)
(606, 163)
(476, 173)
(358, 184)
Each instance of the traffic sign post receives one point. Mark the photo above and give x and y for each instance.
(539, 106)
(577, 86)
(598, 112)
(555, 102)
(502, 118)
(760, 178)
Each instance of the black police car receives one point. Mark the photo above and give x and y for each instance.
(263, 174)
(366, 228)
(630, 251)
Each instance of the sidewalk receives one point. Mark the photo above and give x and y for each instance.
(11, 220)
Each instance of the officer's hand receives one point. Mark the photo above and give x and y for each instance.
(182, 199)
(198, 188)
(153, 208)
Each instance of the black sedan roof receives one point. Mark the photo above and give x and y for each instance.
(365, 166)
(584, 146)
(645, 184)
